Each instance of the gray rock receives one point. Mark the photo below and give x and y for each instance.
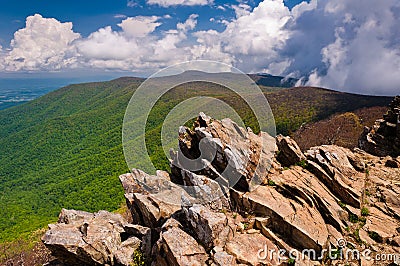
(176, 247)
(82, 238)
(209, 227)
(384, 137)
(289, 151)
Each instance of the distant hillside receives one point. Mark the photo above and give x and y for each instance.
(340, 129)
(64, 149)
(273, 81)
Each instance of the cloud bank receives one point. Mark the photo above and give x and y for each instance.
(346, 45)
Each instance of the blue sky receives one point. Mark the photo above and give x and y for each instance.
(345, 45)
(88, 16)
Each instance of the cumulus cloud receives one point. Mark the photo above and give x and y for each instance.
(139, 26)
(339, 44)
(189, 24)
(345, 45)
(364, 55)
(253, 40)
(241, 10)
(44, 44)
(167, 3)
(99, 50)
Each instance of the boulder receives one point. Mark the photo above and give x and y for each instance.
(221, 258)
(253, 249)
(383, 138)
(331, 165)
(381, 227)
(299, 224)
(176, 247)
(241, 206)
(241, 157)
(81, 238)
(289, 152)
(209, 227)
(205, 190)
(158, 200)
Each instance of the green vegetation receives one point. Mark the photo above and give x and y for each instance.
(364, 211)
(375, 236)
(138, 258)
(356, 235)
(341, 204)
(303, 164)
(353, 218)
(64, 149)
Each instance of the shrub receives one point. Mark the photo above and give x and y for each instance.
(364, 211)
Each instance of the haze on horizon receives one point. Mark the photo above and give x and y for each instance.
(351, 46)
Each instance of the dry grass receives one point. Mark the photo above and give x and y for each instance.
(340, 129)
(28, 251)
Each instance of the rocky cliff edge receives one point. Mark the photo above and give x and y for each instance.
(329, 201)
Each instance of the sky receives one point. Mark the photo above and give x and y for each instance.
(347, 45)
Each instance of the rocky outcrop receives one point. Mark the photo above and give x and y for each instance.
(383, 138)
(103, 238)
(289, 151)
(240, 204)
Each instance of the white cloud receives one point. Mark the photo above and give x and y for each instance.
(364, 55)
(132, 3)
(252, 41)
(139, 26)
(221, 8)
(241, 10)
(101, 45)
(120, 16)
(340, 44)
(137, 50)
(44, 44)
(189, 24)
(345, 45)
(167, 3)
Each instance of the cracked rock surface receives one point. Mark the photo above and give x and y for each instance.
(244, 202)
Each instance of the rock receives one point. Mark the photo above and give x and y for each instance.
(392, 163)
(178, 247)
(396, 241)
(205, 190)
(221, 258)
(383, 138)
(82, 238)
(391, 200)
(364, 236)
(125, 253)
(301, 225)
(332, 166)
(241, 157)
(143, 233)
(252, 249)
(159, 199)
(74, 216)
(289, 152)
(356, 162)
(302, 186)
(209, 227)
(380, 227)
(221, 214)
